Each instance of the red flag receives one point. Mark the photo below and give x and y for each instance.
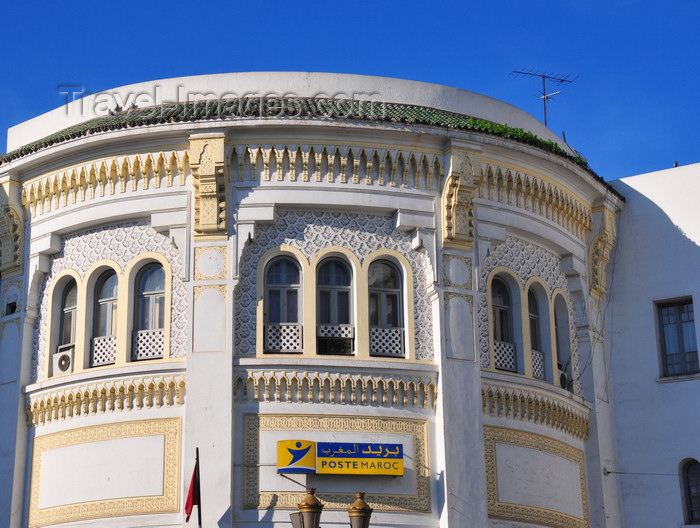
(193, 495)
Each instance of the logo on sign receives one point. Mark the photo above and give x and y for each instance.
(296, 456)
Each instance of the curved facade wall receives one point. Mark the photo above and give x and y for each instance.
(289, 259)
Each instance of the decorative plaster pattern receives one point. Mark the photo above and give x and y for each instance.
(169, 428)
(11, 239)
(335, 388)
(254, 423)
(122, 244)
(526, 260)
(517, 403)
(538, 196)
(105, 176)
(312, 231)
(114, 395)
(519, 512)
(353, 163)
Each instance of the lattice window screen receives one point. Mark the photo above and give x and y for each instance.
(103, 350)
(386, 342)
(505, 356)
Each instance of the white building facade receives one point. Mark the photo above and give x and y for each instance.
(226, 262)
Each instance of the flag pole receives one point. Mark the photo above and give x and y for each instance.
(199, 486)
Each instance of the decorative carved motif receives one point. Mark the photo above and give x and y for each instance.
(335, 388)
(519, 512)
(11, 239)
(519, 403)
(526, 260)
(169, 428)
(120, 243)
(98, 178)
(536, 195)
(199, 251)
(355, 164)
(312, 231)
(599, 254)
(253, 498)
(207, 162)
(458, 221)
(113, 395)
(221, 288)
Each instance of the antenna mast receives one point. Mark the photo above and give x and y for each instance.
(544, 95)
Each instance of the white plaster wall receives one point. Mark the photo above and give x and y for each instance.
(658, 421)
(538, 479)
(293, 84)
(110, 469)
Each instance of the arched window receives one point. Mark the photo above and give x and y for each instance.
(691, 485)
(561, 332)
(69, 304)
(536, 349)
(334, 308)
(385, 314)
(282, 306)
(104, 340)
(503, 340)
(149, 314)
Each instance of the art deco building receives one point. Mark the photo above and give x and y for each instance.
(226, 262)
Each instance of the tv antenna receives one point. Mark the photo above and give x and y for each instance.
(552, 78)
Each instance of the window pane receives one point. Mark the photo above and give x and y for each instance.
(273, 308)
(374, 309)
(343, 307)
(144, 322)
(109, 287)
(292, 306)
(392, 310)
(153, 280)
(383, 275)
(67, 327)
(324, 307)
(103, 316)
(160, 312)
(534, 333)
(71, 296)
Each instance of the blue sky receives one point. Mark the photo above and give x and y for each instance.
(633, 107)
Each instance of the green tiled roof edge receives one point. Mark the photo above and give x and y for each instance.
(331, 109)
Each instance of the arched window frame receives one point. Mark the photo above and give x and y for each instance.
(562, 339)
(283, 333)
(335, 330)
(68, 318)
(539, 346)
(149, 335)
(386, 311)
(65, 342)
(104, 337)
(506, 324)
(690, 482)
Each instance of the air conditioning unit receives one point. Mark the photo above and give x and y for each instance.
(563, 379)
(63, 360)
